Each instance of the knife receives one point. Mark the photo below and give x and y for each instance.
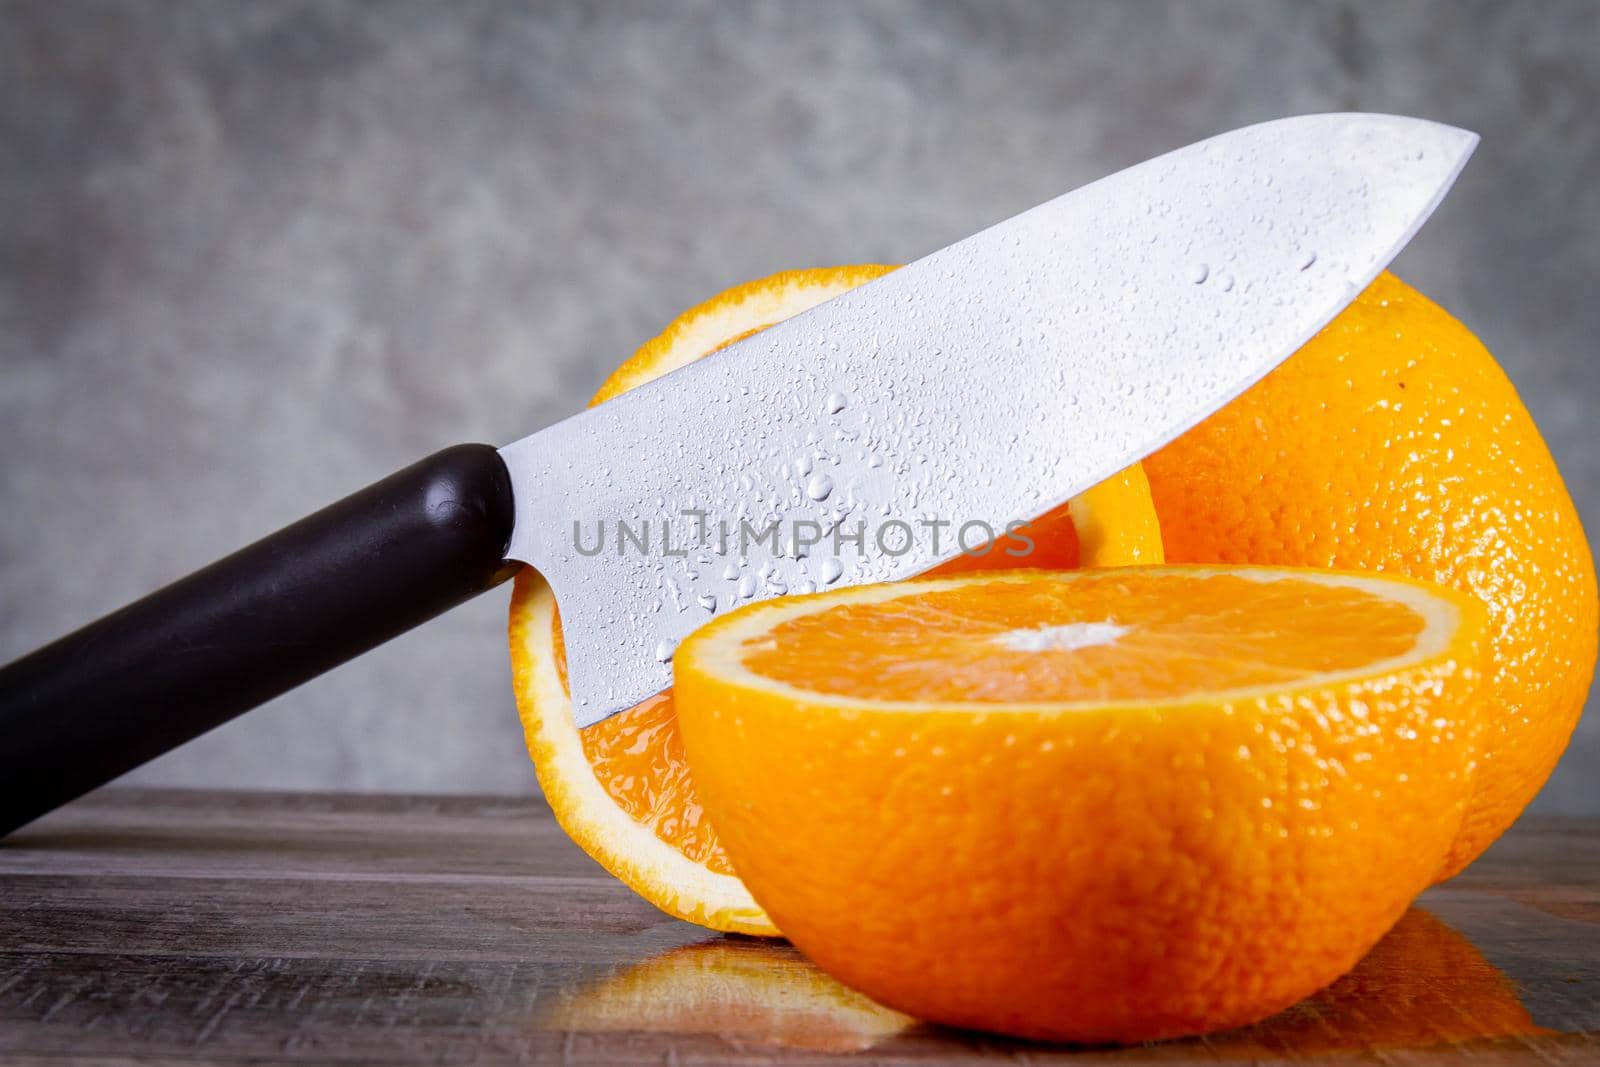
(985, 383)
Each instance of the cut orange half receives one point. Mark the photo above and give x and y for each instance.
(1109, 805)
(621, 789)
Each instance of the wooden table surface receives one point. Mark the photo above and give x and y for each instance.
(144, 926)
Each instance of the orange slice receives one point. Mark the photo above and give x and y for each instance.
(622, 789)
(1109, 805)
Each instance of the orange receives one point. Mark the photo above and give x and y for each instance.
(622, 789)
(1393, 442)
(1099, 805)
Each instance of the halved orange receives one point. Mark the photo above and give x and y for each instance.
(622, 789)
(1100, 805)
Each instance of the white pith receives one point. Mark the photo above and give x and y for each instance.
(757, 311)
(1068, 637)
(721, 652)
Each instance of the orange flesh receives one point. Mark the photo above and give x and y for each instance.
(638, 758)
(1203, 635)
(1055, 547)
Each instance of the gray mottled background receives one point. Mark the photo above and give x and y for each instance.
(255, 255)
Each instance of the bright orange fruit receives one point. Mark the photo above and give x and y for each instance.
(1100, 805)
(622, 789)
(1393, 442)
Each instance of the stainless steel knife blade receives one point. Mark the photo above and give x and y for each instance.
(980, 385)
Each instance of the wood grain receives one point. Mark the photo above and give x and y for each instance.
(163, 926)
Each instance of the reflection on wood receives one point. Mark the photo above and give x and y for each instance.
(1423, 984)
(225, 927)
(745, 991)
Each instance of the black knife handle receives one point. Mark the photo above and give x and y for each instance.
(186, 658)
